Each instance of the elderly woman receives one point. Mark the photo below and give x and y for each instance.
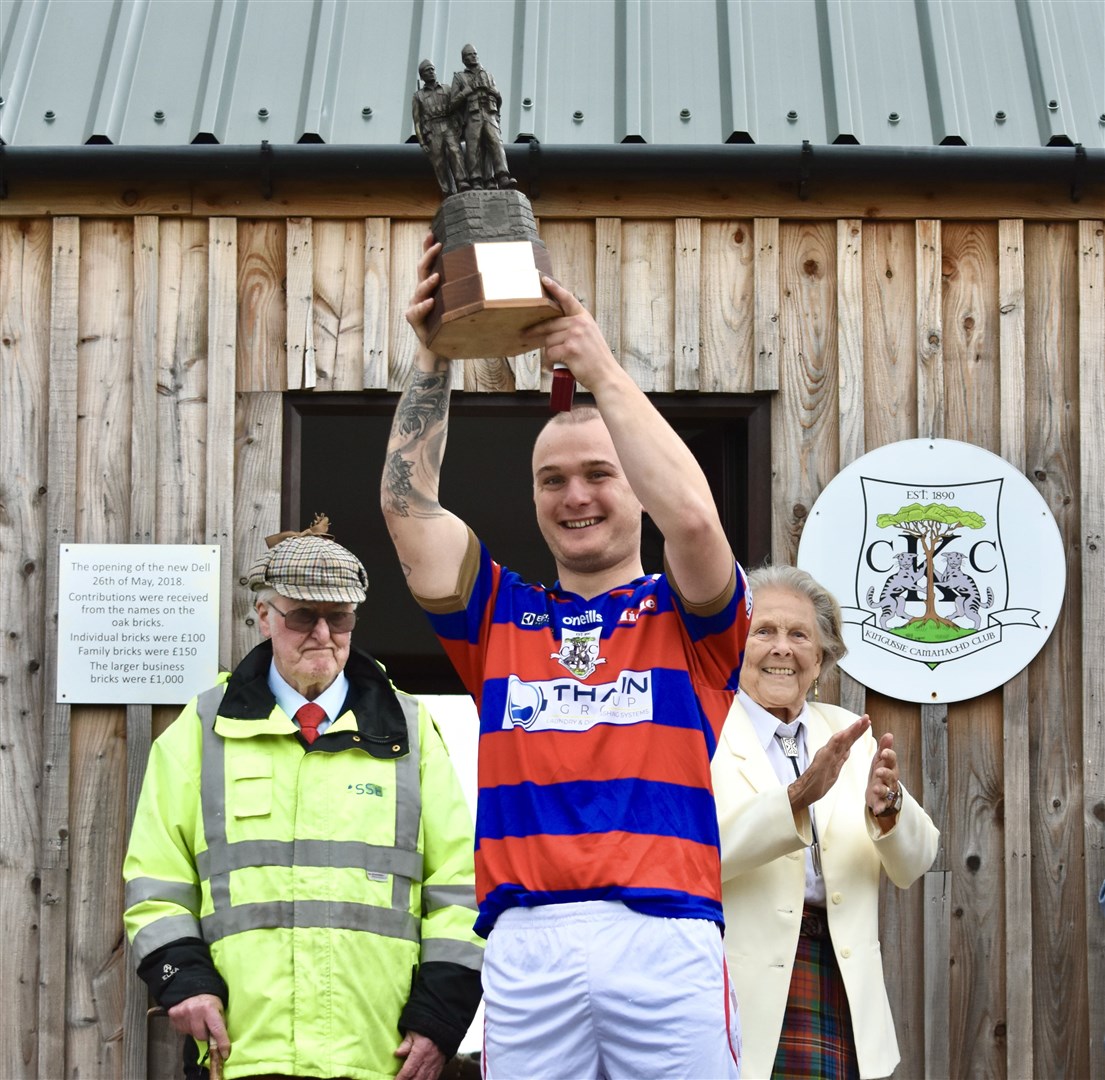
(811, 810)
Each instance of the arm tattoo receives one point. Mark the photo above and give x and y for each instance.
(397, 484)
(417, 443)
(424, 402)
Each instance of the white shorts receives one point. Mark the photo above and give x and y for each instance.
(595, 991)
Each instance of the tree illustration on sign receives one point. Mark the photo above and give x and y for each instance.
(930, 524)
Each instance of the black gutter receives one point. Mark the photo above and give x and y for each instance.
(1074, 171)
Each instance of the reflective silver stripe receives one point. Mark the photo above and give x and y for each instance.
(403, 861)
(213, 796)
(452, 951)
(185, 894)
(336, 853)
(435, 897)
(304, 914)
(408, 801)
(163, 931)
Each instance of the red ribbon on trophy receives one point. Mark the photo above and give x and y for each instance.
(563, 389)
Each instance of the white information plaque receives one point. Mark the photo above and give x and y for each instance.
(138, 624)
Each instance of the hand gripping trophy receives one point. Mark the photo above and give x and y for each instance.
(491, 258)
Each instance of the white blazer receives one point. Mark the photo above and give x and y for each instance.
(763, 884)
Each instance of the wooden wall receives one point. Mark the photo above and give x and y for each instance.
(142, 360)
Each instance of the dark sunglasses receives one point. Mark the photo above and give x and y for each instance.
(303, 620)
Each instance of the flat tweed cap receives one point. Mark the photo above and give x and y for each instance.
(311, 568)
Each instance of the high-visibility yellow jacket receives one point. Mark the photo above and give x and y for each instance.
(330, 887)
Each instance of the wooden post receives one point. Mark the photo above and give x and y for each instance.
(1091, 349)
(53, 927)
(1015, 714)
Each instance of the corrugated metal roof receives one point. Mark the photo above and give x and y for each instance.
(167, 73)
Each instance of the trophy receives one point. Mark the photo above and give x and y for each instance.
(491, 258)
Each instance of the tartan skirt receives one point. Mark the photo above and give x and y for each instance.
(816, 1041)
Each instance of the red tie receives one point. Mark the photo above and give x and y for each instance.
(309, 717)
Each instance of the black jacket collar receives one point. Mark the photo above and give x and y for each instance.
(381, 725)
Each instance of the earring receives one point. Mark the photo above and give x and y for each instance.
(815, 682)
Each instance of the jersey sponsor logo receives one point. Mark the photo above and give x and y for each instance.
(590, 617)
(564, 705)
(646, 607)
(534, 618)
(524, 703)
(579, 651)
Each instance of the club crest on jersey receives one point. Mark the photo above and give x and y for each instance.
(579, 651)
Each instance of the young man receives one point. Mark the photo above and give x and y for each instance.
(299, 876)
(600, 699)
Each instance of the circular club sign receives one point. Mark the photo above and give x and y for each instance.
(947, 563)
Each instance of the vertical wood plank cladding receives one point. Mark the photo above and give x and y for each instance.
(107, 366)
(767, 326)
(97, 842)
(104, 351)
(61, 527)
(938, 893)
(849, 338)
(849, 344)
(25, 255)
(930, 334)
(301, 286)
(728, 307)
(934, 718)
(804, 420)
(1052, 455)
(1015, 704)
(608, 282)
(338, 304)
(901, 911)
(221, 367)
(688, 301)
(143, 464)
(571, 246)
(1011, 336)
(937, 886)
(1091, 397)
(406, 250)
(974, 851)
(525, 368)
(377, 298)
(648, 282)
(259, 425)
(262, 305)
(182, 381)
(491, 374)
(889, 333)
(144, 355)
(971, 333)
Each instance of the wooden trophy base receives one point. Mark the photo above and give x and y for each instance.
(490, 264)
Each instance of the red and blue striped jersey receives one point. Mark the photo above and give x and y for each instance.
(598, 720)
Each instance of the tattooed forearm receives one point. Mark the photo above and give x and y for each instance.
(397, 485)
(424, 403)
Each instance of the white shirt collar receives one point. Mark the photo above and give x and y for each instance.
(289, 699)
(765, 723)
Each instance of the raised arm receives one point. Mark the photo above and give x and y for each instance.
(430, 540)
(660, 468)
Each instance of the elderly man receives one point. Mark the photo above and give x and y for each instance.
(299, 879)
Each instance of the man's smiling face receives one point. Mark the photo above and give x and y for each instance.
(586, 510)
